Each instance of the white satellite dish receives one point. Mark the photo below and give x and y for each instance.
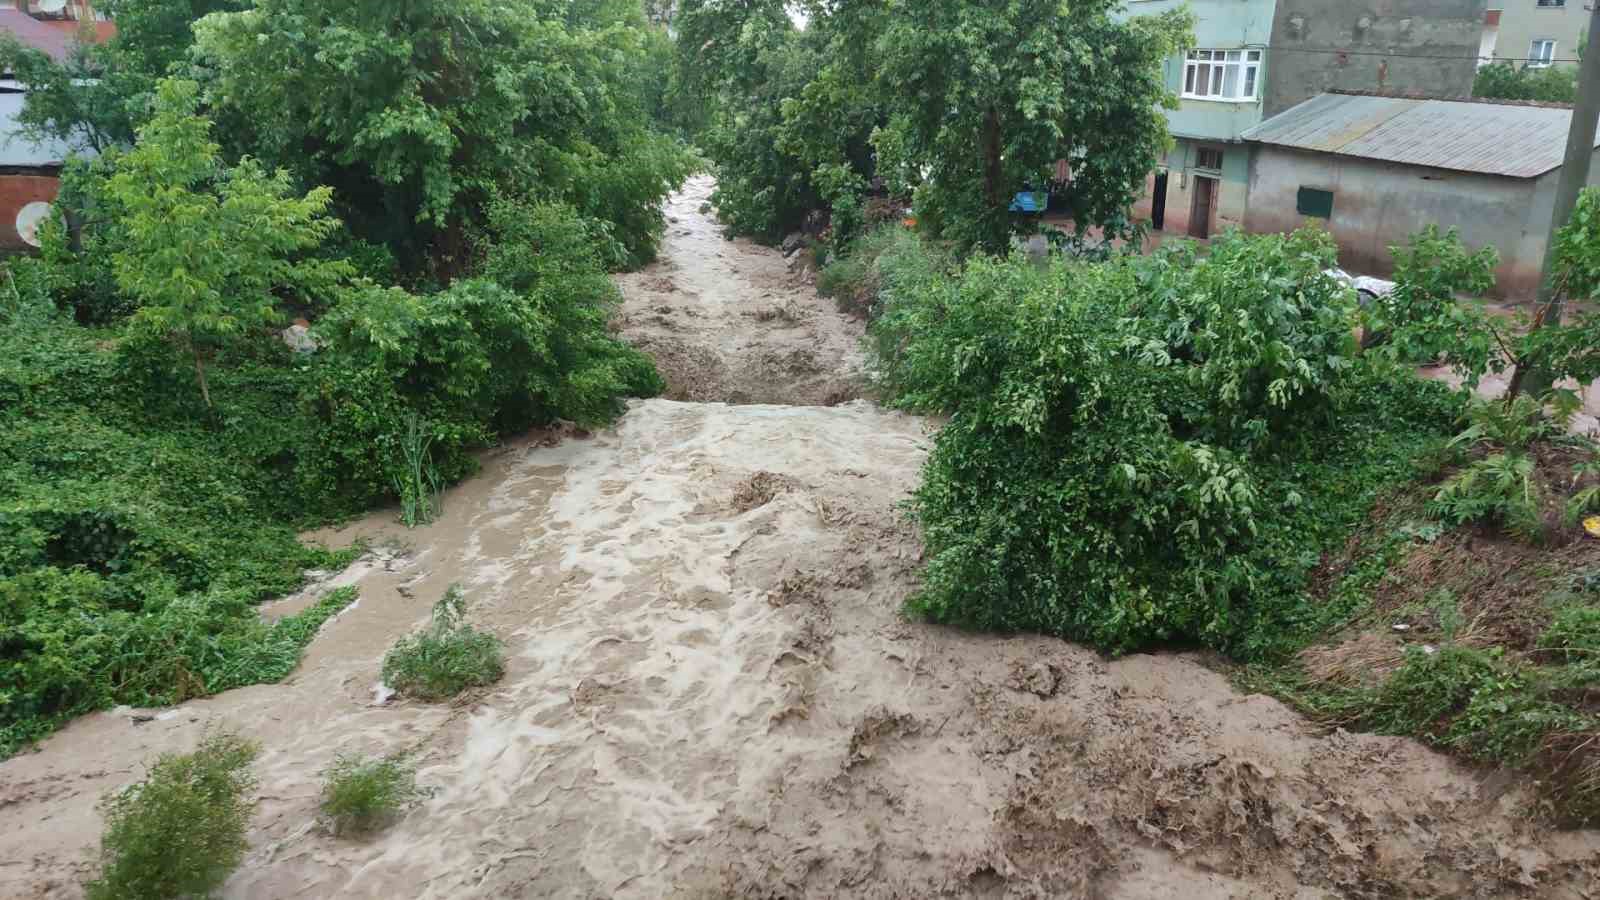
(50, 6)
(28, 220)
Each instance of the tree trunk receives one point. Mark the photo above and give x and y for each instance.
(200, 373)
(992, 170)
(1519, 378)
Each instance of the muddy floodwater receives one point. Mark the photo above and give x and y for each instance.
(711, 691)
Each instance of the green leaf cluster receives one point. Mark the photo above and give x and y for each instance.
(959, 104)
(1508, 81)
(1144, 450)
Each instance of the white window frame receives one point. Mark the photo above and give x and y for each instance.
(1222, 76)
(1538, 60)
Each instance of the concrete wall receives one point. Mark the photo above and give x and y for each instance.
(1377, 204)
(1322, 45)
(1521, 21)
(1230, 202)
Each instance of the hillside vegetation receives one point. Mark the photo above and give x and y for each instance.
(448, 236)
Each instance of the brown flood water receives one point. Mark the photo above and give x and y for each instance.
(711, 691)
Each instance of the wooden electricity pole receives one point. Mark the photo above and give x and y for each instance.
(1575, 170)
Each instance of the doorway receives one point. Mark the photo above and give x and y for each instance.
(1205, 198)
(1158, 203)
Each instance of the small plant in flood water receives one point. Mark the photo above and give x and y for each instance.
(420, 488)
(361, 794)
(446, 658)
(181, 831)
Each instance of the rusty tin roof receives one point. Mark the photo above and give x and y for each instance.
(1514, 140)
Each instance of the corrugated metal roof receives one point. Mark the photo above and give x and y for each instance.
(16, 150)
(1468, 136)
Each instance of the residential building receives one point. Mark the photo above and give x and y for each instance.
(30, 170)
(1539, 32)
(1256, 58)
(1376, 169)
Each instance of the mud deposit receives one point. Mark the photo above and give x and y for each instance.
(711, 693)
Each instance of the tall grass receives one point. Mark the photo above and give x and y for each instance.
(420, 488)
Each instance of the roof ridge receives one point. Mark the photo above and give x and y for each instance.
(1419, 95)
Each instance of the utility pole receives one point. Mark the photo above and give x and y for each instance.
(1575, 171)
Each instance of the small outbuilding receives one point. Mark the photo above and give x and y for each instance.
(1376, 169)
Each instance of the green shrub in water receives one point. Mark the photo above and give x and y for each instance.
(361, 794)
(181, 831)
(446, 658)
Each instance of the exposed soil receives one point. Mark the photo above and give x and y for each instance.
(711, 691)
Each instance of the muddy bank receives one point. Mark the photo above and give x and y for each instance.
(711, 693)
(728, 322)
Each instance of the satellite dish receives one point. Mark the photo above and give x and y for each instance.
(50, 6)
(28, 220)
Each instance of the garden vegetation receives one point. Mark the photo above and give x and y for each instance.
(440, 188)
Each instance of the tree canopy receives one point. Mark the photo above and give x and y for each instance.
(962, 103)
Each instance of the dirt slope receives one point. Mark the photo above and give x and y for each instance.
(711, 693)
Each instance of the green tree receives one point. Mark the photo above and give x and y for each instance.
(207, 248)
(102, 93)
(419, 114)
(745, 60)
(1508, 81)
(985, 97)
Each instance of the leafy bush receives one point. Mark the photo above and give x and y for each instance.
(445, 658)
(181, 831)
(1257, 329)
(419, 115)
(887, 258)
(1509, 81)
(1574, 631)
(1421, 320)
(208, 250)
(361, 794)
(1144, 449)
(1499, 488)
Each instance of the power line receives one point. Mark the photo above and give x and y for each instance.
(1474, 57)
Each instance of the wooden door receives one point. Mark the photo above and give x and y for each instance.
(1205, 190)
(1158, 203)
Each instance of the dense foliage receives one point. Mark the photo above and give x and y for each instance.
(181, 831)
(1144, 450)
(420, 114)
(983, 99)
(448, 238)
(1509, 81)
(961, 104)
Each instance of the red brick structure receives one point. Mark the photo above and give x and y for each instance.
(29, 171)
